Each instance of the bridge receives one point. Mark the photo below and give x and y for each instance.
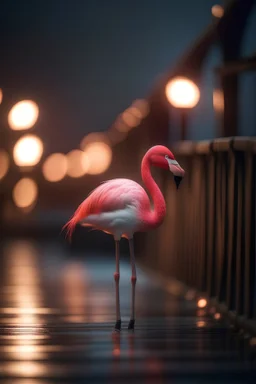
(196, 288)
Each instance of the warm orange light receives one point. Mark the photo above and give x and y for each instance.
(142, 108)
(121, 126)
(130, 119)
(218, 100)
(202, 303)
(25, 193)
(182, 93)
(77, 163)
(1, 95)
(217, 11)
(217, 316)
(4, 163)
(28, 151)
(23, 115)
(200, 324)
(55, 167)
(92, 138)
(99, 157)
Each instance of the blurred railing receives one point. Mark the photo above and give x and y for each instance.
(208, 238)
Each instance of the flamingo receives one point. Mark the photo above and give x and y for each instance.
(121, 207)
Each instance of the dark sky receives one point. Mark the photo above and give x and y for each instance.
(86, 61)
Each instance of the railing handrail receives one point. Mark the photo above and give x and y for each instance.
(238, 143)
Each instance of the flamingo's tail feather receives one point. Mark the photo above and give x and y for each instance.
(79, 214)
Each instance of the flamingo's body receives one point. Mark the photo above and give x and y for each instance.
(116, 207)
(122, 207)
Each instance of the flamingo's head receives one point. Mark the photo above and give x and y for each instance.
(162, 157)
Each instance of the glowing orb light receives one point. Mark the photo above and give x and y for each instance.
(217, 11)
(28, 151)
(23, 115)
(55, 167)
(94, 137)
(202, 303)
(25, 193)
(77, 163)
(99, 156)
(182, 93)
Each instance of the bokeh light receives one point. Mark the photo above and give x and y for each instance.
(4, 163)
(182, 93)
(217, 11)
(94, 137)
(99, 156)
(23, 115)
(218, 100)
(201, 324)
(55, 167)
(121, 126)
(130, 119)
(202, 303)
(25, 193)
(142, 108)
(77, 165)
(28, 151)
(1, 95)
(217, 316)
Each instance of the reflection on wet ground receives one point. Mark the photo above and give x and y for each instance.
(57, 313)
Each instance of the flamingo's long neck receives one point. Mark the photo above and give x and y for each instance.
(153, 218)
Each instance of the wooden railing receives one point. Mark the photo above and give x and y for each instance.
(208, 238)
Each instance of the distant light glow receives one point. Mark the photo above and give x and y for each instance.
(23, 115)
(218, 100)
(55, 167)
(201, 324)
(77, 163)
(142, 107)
(4, 163)
(202, 303)
(1, 95)
(217, 11)
(182, 93)
(217, 316)
(130, 119)
(25, 193)
(92, 138)
(28, 151)
(99, 156)
(121, 126)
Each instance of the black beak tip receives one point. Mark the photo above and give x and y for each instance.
(177, 180)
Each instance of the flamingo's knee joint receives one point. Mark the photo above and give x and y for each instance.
(117, 276)
(133, 279)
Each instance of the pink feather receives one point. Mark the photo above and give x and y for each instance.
(109, 196)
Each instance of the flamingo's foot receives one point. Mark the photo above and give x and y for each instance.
(131, 325)
(118, 326)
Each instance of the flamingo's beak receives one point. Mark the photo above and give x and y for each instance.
(177, 180)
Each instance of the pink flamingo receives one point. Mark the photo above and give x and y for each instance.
(121, 207)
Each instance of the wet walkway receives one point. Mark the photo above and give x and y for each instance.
(57, 313)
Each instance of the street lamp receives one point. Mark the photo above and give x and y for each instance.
(184, 94)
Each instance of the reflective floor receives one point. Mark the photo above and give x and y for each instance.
(57, 312)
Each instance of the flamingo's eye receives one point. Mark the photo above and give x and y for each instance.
(166, 156)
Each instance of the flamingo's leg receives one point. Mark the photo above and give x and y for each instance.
(117, 277)
(133, 281)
